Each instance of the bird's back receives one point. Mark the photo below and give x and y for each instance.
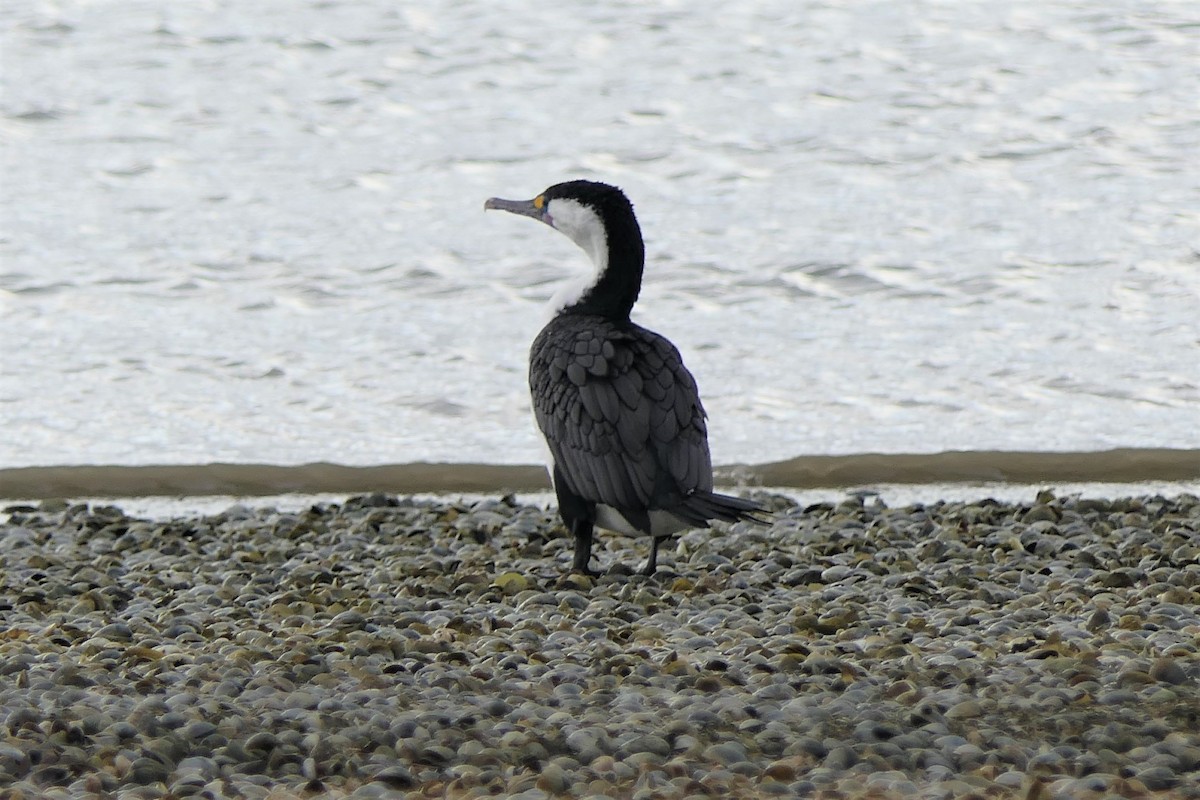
(620, 413)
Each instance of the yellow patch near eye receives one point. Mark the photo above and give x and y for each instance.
(539, 201)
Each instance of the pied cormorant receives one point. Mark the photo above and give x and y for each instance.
(620, 412)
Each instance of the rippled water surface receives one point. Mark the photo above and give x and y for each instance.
(254, 232)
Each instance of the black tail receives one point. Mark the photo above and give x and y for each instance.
(701, 508)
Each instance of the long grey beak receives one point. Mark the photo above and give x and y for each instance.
(525, 208)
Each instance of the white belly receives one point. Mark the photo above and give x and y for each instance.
(662, 523)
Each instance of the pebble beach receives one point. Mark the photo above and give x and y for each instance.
(391, 647)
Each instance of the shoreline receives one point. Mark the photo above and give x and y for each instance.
(1121, 465)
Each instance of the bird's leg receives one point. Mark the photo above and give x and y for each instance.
(652, 562)
(582, 529)
(579, 516)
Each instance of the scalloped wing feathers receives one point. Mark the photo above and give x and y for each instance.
(620, 413)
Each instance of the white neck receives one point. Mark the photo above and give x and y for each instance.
(583, 226)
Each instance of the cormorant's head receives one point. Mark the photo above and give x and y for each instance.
(599, 218)
(588, 212)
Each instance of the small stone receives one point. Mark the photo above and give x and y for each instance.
(200, 729)
(967, 709)
(1040, 513)
(1158, 778)
(511, 583)
(148, 770)
(648, 743)
(726, 753)
(554, 780)
(496, 707)
(1167, 670)
(577, 581)
(396, 776)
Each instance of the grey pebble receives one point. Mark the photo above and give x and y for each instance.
(1168, 670)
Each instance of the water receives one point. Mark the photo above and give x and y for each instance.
(254, 232)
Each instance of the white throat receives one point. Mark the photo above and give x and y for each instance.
(583, 226)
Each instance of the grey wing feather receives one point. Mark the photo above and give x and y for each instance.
(620, 413)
